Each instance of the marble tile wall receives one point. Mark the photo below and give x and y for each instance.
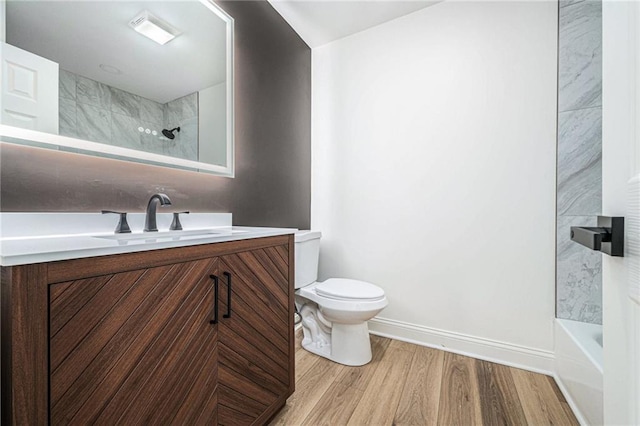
(579, 188)
(94, 111)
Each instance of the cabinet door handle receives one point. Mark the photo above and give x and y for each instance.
(228, 314)
(215, 299)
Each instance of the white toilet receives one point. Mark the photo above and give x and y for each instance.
(334, 312)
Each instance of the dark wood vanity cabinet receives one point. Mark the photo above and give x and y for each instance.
(130, 339)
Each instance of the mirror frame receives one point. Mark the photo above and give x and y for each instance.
(16, 135)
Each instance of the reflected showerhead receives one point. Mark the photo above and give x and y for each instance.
(169, 133)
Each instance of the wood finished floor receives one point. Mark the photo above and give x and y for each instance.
(407, 384)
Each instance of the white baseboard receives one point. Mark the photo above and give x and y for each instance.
(536, 360)
(574, 407)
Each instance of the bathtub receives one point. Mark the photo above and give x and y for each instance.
(578, 368)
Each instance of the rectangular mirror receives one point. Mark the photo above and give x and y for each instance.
(146, 81)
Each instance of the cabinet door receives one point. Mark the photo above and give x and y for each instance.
(255, 351)
(135, 347)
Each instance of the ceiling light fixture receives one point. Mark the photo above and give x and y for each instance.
(154, 28)
(110, 69)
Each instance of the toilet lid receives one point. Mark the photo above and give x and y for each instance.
(345, 289)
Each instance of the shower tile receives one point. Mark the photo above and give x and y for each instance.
(125, 103)
(580, 59)
(93, 93)
(93, 124)
(171, 115)
(578, 275)
(67, 117)
(565, 3)
(150, 142)
(190, 105)
(178, 110)
(580, 162)
(151, 111)
(185, 145)
(67, 84)
(124, 131)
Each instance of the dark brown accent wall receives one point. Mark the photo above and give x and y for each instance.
(272, 186)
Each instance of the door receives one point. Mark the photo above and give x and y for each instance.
(29, 90)
(135, 347)
(254, 369)
(621, 163)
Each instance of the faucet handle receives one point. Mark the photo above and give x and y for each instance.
(123, 226)
(176, 225)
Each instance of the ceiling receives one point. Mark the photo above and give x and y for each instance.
(81, 35)
(322, 21)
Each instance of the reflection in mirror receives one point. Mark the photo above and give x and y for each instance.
(149, 76)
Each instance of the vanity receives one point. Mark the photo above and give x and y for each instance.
(177, 328)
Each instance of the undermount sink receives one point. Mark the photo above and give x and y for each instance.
(190, 234)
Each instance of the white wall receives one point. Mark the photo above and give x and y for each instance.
(3, 27)
(212, 125)
(433, 173)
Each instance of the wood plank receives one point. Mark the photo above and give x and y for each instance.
(421, 394)
(131, 403)
(239, 402)
(87, 333)
(310, 388)
(229, 417)
(236, 359)
(460, 399)
(257, 347)
(67, 300)
(499, 397)
(25, 331)
(562, 399)
(247, 268)
(380, 401)
(88, 322)
(283, 252)
(181, 373)
(538, 399)
(275, 330)
(202, 397)
(238, 382)
(291, 309)
(209, 415)
(68, 270)
(341, 399)
(138, 363)
(105, 374)
(477, 392)
(304, 362)
(277, 267)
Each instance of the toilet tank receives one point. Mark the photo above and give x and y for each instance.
(307, 251)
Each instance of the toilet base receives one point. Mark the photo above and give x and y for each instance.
(350, 344)
(347, 344)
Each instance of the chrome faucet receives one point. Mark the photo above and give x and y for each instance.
(150, 224)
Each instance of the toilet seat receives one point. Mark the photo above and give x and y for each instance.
(344, 304)
(346, 289)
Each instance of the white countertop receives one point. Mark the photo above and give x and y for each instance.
(27, 238)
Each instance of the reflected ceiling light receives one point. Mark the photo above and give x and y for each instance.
(153, 27)
(110, 69)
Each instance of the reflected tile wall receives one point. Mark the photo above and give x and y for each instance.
(579, 270)
(580, 162)
(182, 112)
(579, 191)
(580, 66)
(94, 111)
(67, 87)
